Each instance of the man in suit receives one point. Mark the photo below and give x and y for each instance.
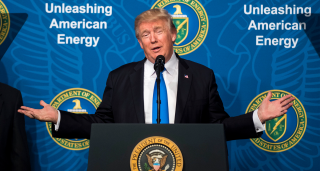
(14, 153)
(191, 90)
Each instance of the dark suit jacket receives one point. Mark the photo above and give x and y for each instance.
(14, 153)
(198, 101)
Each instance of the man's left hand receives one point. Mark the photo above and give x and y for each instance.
(269, 110)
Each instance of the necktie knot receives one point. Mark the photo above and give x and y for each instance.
(161, 74)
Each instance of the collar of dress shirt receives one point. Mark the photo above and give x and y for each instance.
(170, 66)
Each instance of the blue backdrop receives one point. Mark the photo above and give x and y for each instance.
(39, 67)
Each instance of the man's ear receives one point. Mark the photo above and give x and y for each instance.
(174, 36)
(141, 45)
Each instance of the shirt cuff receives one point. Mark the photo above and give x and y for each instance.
(56, 126)
(257, 123)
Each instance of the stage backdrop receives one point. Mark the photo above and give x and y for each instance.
(61, 51)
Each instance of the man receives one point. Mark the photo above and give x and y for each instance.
(14, 153)
(191, 90)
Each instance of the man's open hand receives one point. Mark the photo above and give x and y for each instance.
(46, 114)
(269, 110)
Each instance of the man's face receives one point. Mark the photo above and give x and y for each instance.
(155, 38)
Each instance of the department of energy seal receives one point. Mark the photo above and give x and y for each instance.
(284, 132)
(191, 21)
(4, 22)
(156, 154)
(78, 101)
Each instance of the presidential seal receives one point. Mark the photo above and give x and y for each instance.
(191, 21)
(284, 132)
(156, 154)
(4, 22)
(78, 101)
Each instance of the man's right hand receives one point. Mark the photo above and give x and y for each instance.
(47, 114)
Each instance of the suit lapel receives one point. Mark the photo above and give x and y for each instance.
(136, 81)
(184, 83)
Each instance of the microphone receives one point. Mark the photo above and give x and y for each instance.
(159, 63)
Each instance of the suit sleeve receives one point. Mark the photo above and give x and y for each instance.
(239, 127)
(19, 154)
(79, 125)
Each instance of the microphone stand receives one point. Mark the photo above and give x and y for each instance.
(159, 66)
(158, 95)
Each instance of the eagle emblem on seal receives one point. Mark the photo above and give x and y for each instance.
(157, 159)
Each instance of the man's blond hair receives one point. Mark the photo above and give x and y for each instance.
(153, 15)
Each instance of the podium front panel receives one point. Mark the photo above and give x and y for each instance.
(203, 146)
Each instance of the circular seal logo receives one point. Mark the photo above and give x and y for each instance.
(284, 132)
(191, 21)
(78, 101)
(156, 154)
(4, 22)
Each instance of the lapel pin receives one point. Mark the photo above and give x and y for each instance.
(186, 76)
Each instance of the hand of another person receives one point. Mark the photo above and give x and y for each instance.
(269, 110)
(46, 114)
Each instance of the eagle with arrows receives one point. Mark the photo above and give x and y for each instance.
(156, 160)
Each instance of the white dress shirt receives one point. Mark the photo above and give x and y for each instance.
(170, 76)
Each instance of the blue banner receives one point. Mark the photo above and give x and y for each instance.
(59, 51)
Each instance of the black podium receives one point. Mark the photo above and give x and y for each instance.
(202, 146)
